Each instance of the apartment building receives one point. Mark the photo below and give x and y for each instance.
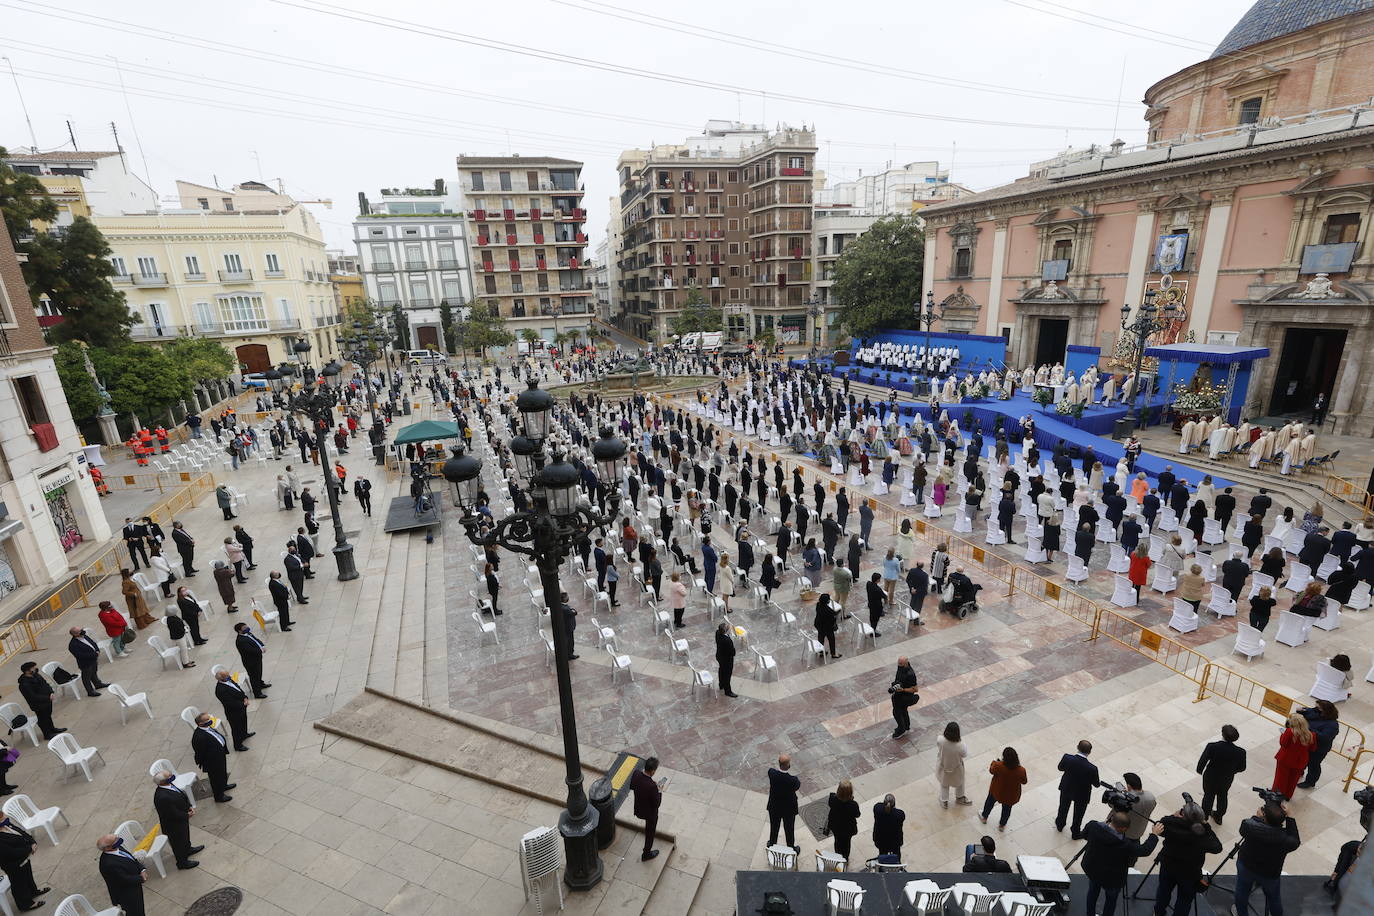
(48, 506)
(347, 280)
(85, 183)
(413, 253)
(526, 230)
(726, 216)
(246, 266)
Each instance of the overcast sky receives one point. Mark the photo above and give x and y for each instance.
(340, 96)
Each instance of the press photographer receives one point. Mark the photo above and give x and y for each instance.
(1350, 852)
(1140, 809)
(1187, 841)
(983, 859)
(1108, 855)
(1266, 840)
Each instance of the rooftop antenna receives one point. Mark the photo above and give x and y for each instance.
(33, 137)
(71, 133)
(257, 159)
(147, 174)
(119, 147)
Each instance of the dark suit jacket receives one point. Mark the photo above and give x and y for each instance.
(84, 650)
(295, 569)
(185, 543)
(1109, 854)
(1219, 764)
(15, 848)
(189, 607)
(648, 796)
(35, 689)
(1342, 543)
(173, 807)
(231, 698)
(1234, 572)
(281, 595)
(782, 791)
(305, 547)
(123, 879)
(249, 649)
(725, 649)
(1080, 776)
(210, 751)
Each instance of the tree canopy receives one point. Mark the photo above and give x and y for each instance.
(23, 199)
(201, 359)
(878, 276)
(697, 315)
(92, 309)
(83, 398)
(447, 326)
(141, 379)
(485, 328)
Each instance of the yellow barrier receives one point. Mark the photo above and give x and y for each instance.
(1353, 776)
(1349, 491)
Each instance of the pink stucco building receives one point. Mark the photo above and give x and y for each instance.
(1258, 178)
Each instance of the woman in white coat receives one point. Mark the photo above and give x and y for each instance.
(725, 579)
(950, 752)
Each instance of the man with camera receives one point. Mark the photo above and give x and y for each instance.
(1187, 841)
(983, 859)
(1108, 857)
(904, 696)
(1268, 838)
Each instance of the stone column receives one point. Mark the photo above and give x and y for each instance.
(1349, 381)
(1209, 263)
(999, 263)
(109, 428)
(1142, 247)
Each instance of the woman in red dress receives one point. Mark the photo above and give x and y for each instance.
(1295, 745)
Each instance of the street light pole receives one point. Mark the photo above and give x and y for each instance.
(1149, 319)
(545, 532)
(928, 317)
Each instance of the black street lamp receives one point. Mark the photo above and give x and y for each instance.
(928, 316)
(1149, 319)
(364, 349)
(546, 532)
(317, 402)
(815, 311)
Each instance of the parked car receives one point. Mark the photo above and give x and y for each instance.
(426, 358)
(253, 380)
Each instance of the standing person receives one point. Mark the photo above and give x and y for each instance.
(134, 600)
(866, 523)
(493, 587)
(186, 547)
(1295, 746)
(1218, 766)
(189, 609)
(887, 827)
(115, 624)
(612, 579)
(133, 540)
(1268, 838)
(904, 696)
(281, 600)
(648, 797)
(225, 501)
(1190, 586)
(1261, 606)
(1139, 570)
(709, 561)
(17, 845)
(233, 551)
(162, 571)
(1075, 788)
(362, 491)
(124, 876)
(826, 622)
(1324, 721)
(939, 567)
(251, 650)
(725, 658)
(1008, 776)
(295, 573)
(174, 810)
(677, 599)
(212, 756)
(234, 699)
(1108, 856)
(950, 752)
(843, 817)
(877, 601)
(918, 583)
(87, 654)
(1187, 841)
(224, 581)
(37, 692)
(892, 570)
(1234, 572)
(782, 802)
(305, 546)
(245, 541)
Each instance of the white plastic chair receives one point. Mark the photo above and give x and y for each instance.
(73, 755)
(1118, 562)
(843, 896)
(128, 701)
(1329, 564)
(926, 897)
(30, 728)
(74, 685)
(1211, 532)
(1359, 598)
(183, 780)
(1327, 686)
(782, 858)
(1259, 581)
(164, 651)
(701, 678)
(486, 627)
(1221, 602)
(1293, 629)
(32, 818)
(863, 630)
(830, 861)
(1184, 619)
(132, 833)
(270, 617)
(1301, 575)
(1249, 642)
(1035, 549)
(549, 651)
(764, 663)
(1330, 618)
(619, 663)
(1123, 592)
(974, 899)
(677, 648)
(813, 648)
(1164, 580)
(78, 905)
(605, 636)
(1018, 903)
(1076, 572)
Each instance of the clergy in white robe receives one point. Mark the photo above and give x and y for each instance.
(1186, 437)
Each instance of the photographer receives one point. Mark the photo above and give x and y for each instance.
(1109, 855)
(904, 696)
(1268, 837)
(1142, 809)
(1187, 840)
(981, 859)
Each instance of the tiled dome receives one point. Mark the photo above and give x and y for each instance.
(1271, 18)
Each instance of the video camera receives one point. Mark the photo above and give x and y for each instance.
(1120, 799)
(1365, 798)
(1271, 796)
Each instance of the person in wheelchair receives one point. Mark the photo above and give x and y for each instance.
(961, 594)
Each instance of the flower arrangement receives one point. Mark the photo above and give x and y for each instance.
(1205, 398)
(1064, 408)
(1043, 397)
(981, 390)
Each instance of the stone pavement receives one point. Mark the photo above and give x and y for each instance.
(325, 823)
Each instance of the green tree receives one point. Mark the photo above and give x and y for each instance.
(82, 395)
(878, 276)
(528, 335)
(697, 315)
(485, 328)
(449, 328)
(92, 309)
(23, 199)
(202, 360)
(401, 327)
(142, 379)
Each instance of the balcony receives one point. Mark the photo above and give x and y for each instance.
(275, 274)
(145, 331)
(416, 265)
(483, 240)
(149, 279)
(536, 213)
(448, 264)
(383, 265)
(240, 328)
(539, 238)
(194, 277)
(236, 276)
(510, 239)
(389, 303)
(420, 304)
(794, 172)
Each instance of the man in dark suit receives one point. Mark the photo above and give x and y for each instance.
(1219, 764)
(186, 546)
(305, 547)
(124, 875)
(1315, 547)
(281, 599)
(246, 542)
(1110, 854)
(1234, 572)
(234, 699)
(648, 797)
(1166, 480)
(87, 654)
(37, 692)
(599, 557)
(174, 809)
(725, 658)
(1343, 542)
(362, 491)
(212, 756)
(1149, 508)
(16, 846)
(295, 573)
(1224, 508)
(1260, 503)
(877, 601)
(1075, 787)
(251, 650)
(133, 540)
(782, 802)
(189, 609)
(1178, 498)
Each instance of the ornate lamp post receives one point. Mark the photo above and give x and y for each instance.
(928, 316)
(316, 402)
(815, 311)
(365, 349)
(546, 532)
(1149, 319)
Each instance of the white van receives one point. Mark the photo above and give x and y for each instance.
(426, 358)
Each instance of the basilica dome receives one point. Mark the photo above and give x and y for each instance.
(1272, 18)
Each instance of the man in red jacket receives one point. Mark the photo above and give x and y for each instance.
(648, 796)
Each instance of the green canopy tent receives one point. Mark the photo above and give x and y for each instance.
(427, 430)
